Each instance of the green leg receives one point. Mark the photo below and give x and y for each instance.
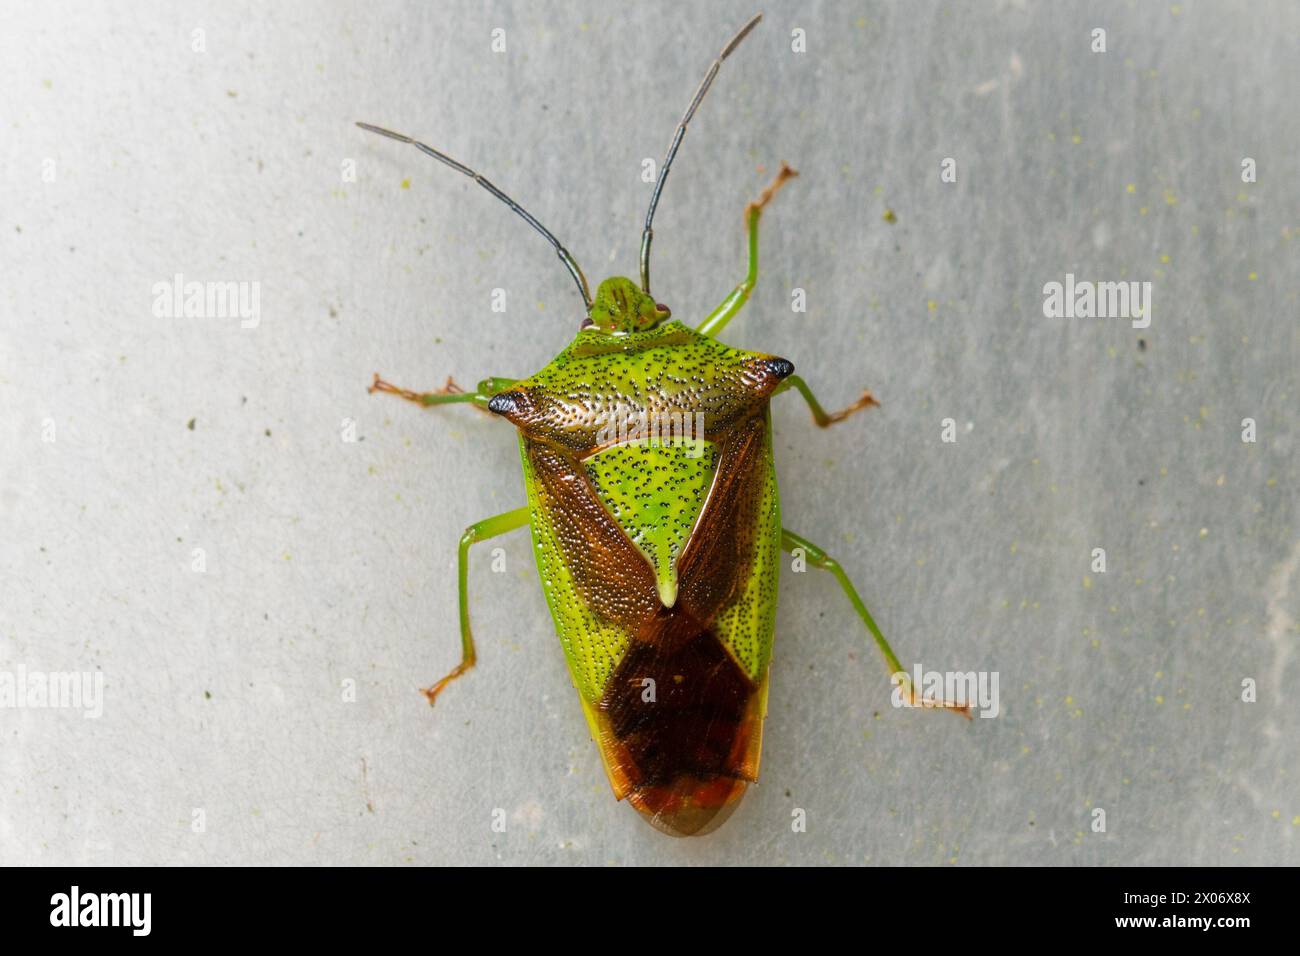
(448, 394)
(487, 528)
(720, 316)
(820, 559)
(819, 414)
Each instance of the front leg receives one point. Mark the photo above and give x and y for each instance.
(720, 316)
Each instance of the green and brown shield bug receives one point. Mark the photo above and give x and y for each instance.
(652, 500)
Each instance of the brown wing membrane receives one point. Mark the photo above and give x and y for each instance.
(681, 725)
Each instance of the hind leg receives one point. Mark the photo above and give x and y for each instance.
(820, 559)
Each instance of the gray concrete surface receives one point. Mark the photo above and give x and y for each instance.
(131, 439)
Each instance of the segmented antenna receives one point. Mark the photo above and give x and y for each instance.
(569, 262)
(648, 234)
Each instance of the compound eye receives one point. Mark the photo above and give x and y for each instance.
(586, 323)
(662, 310)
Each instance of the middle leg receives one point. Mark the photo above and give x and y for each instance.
(822, 417)
(450, 393)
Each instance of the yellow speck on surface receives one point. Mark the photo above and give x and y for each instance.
(1253, 276)
(862, 22)
(1142, 211)
(931, 304)
(1219, 481)
(288, 556)
(1069, 701)
(1170, 198)
(1165, 258)
(1175, 9)
(1132, 187)
(406, 184)
(1295, 821)
(1160, 698)
(1087, 582)
(1276, 814)
(1205, 532)
(1076, 139)
(1159, 674)
(889, 216)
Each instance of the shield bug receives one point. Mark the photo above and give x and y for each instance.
(652, 500)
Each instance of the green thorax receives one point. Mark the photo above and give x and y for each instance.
(598, 389)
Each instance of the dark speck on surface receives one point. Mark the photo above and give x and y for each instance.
(190, 424)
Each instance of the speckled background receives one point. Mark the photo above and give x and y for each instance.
(129, 157)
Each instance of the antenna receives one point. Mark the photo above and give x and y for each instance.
(648, 234)
(565, 257)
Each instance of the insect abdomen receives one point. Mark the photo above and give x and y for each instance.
(680, 722)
